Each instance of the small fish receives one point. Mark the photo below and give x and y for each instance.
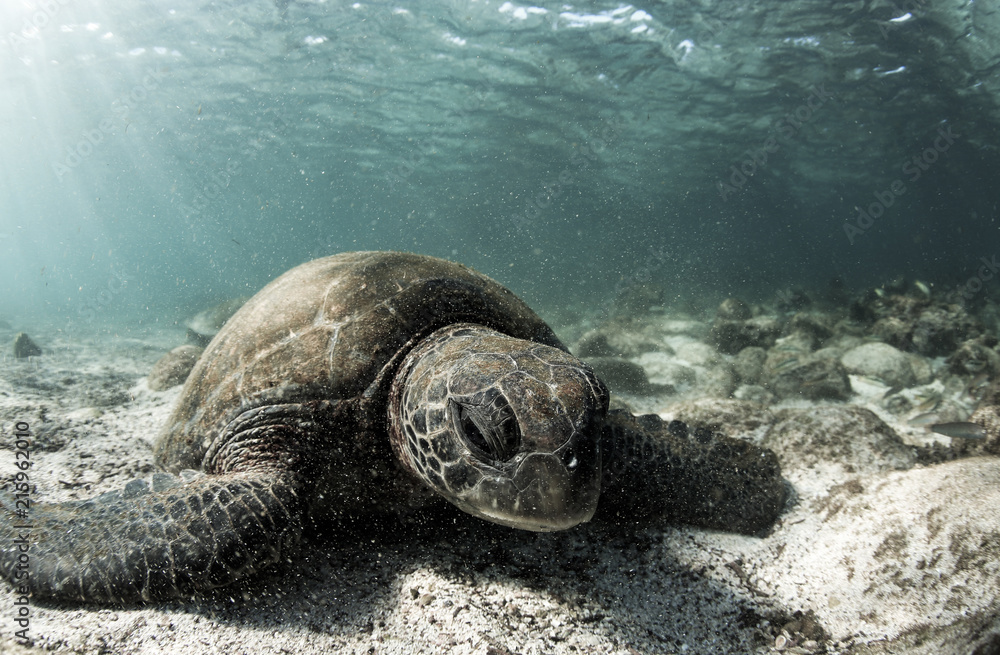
(927, 418)
(929, 404)
(787, 363)
(880, 292)
(892, 391)
(962, 430)
(923, 288)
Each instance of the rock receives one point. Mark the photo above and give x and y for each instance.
(622, 376)
(853, 437)
(173, 368)
(923, 372)
(697, 353)
(666, 370)
(24, 347)
(915, 323)
(975, 356)
(730, 337)
(816, 326)
(933, 331)
(748, 365)
(939, 330)
(733, 309)
(816, 378)
(615, 340)
(882, 361)
(988, 416)
(754, 393)
(734, 418)
(796, 342)
(594, 344)
(717, 381)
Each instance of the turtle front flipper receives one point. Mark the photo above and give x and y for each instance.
(154, 541)
(172, 537)
(656, 469)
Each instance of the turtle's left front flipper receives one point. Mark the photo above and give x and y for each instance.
(146, 542)
(656, 469)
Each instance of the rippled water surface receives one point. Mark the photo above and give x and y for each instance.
(161, 154)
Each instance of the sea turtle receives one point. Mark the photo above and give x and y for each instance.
(374, 382)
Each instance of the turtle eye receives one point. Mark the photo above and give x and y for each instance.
(488, 426)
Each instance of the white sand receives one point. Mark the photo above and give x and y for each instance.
(893, 561)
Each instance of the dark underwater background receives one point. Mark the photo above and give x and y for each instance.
(159, 156)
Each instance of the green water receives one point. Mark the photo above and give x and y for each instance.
(159, 155)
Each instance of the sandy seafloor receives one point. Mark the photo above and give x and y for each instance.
(878, 553)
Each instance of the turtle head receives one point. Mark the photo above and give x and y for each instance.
(506, 429)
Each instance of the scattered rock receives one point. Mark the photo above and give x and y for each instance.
(809, 376)
(988, 416)
(880, 360)
(666, 370)
(24, 347)
(975, 356)
(734, 418)
(622, 376)
(754, 393)
(173, 368)
(698, 354)
(733, 309)
(800, 343)
(915, 324)
(748, 365)
(854, 437)
(616, 341)
(923, 372)
(815, 325)
(730, 337)
(717, 381)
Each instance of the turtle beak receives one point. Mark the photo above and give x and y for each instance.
(559, 490)
(547, 491)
